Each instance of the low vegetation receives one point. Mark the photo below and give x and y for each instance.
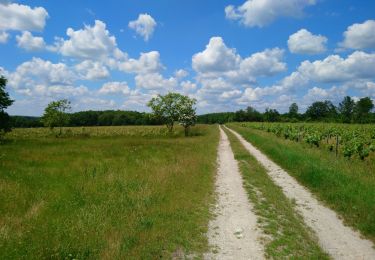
(111, 193)
(347, 186)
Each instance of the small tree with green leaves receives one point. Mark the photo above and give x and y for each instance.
(174, 107)
(55, 114)
(188, 116)
(166, 108)
(5, 102)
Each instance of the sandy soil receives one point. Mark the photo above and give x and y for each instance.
(340, 241)
(233, 233)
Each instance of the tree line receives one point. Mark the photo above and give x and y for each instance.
(348, 111)
(175, 107)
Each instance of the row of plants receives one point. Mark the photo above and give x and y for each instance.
(351, 141)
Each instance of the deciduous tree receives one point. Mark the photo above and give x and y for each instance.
(5, 102)
(55, 114)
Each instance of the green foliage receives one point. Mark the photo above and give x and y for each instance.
(346, 108)
(357, 141)
(362, 110)
(293, 110)
(174, 107)
(5, 102)
(55, 114)
(320, 110)
(187, 115)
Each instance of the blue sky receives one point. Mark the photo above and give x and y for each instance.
(227, 54)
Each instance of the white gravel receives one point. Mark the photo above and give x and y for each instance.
(339, 241)
(233, 233)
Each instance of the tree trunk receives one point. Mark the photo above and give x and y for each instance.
(186, 130)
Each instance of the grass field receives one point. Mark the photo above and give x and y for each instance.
(110, 193)
(347, 186)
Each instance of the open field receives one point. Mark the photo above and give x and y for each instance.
(111, 192)
(345, 185)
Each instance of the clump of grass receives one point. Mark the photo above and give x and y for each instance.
(286, 236)
(125, 196)
(346, 186)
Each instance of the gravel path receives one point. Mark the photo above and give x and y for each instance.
(339, 241)
(233, 233)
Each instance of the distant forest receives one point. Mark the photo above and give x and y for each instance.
(348, 111)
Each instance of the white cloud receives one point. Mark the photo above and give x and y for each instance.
(230, 94)
(263, 12)
(188, 86)
(360, 36)
(4, 36)
(92, 42)
(304, 42)
(266, 63)
(143, 26)
(42, 71)
(115, 88)
(155, 81)
(92, 70)
(20, 17)
(147, 63)
(180, 74)
(358, 65)
(29, 42)
(217, 57)
(217, 60)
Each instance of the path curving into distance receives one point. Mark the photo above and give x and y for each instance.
(338, 240)
(233, 233)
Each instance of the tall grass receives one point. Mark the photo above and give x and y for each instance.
(109, 197)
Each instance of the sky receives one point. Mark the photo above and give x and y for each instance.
(227, 54)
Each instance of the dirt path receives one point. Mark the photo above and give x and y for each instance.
(233, 233)
(339, 241)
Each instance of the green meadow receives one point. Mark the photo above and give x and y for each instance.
(106, 192)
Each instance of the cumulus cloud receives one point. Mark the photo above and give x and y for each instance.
(358, 65)
(217, 57)
(188, 86)
(304, 42)
(115, 88)
(143, 26)
(92, 42)
(180, 74)
(38, 77)
(217, 60)
(20, 17)
(4, 36)
(92, 70)
(360, 36)
(263, 12)
(148, 62)
(155, 81)
(29, 42)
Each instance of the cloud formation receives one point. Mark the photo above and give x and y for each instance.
(304, 42)
(29, 42)
(360, 36)
(20, 17)
(263, 12)
(143, 26)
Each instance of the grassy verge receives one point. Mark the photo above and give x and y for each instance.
(287, 236)
(118, 197)
(346, 186)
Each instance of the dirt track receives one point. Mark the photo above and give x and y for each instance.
(233, 233)
(339, 241)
